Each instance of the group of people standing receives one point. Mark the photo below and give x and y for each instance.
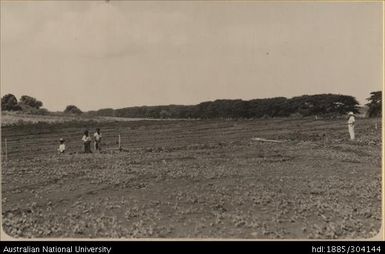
(87, 140)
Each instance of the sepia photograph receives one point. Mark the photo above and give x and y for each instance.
(243, 120)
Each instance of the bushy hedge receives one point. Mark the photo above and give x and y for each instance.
(306, 105)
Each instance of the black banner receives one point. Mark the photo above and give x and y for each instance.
(112, 247)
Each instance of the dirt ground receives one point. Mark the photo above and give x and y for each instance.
(194, 179)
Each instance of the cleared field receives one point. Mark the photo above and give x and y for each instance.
(20, 118)
(195, 179)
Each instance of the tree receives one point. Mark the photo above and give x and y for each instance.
(305, 105)
(105, 112)
(72, 109)
(344, 104)
(9, 103)
(30, 101)
(375, 104)
(164, 114)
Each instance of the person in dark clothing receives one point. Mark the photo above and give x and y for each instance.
(87, 142)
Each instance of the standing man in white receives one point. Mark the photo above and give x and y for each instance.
(351, 125)
(98, 140)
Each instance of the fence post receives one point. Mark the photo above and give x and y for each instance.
(6, 150)
(120, 147)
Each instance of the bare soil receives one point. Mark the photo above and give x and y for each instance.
(194, 179)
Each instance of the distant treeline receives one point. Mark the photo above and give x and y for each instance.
(306, 105)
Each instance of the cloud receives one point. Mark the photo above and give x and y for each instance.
(103, 30)
(20, 21)
(134, 53)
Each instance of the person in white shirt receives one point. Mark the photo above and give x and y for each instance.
(87, 142)
(62, 146)
(98, 140)
(351, 122)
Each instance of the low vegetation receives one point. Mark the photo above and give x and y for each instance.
(326, 105)
(195, 179)
(306, 105)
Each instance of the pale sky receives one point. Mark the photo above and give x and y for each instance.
(97, 54)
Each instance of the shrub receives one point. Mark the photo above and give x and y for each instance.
(72, 109)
